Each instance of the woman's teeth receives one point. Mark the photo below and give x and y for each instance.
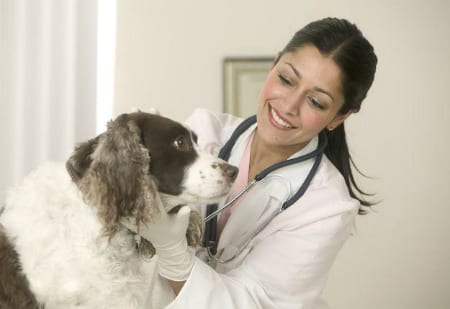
(280, 121)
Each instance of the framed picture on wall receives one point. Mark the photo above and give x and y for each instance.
(243, 79)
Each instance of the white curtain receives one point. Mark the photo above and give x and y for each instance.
(47, 82)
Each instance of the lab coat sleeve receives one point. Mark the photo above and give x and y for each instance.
(205, 288)
(212, 129)
(287, 269)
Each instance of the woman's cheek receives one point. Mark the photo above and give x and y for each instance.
(313, 122)
(270, 88)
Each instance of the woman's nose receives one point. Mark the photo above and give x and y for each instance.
(292, 103)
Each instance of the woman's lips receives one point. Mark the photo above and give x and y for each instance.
(277, 121)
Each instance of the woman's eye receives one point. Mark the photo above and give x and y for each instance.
(284, 80)
(316, 103)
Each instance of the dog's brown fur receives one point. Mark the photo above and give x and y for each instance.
(113, 173)
(14, 288)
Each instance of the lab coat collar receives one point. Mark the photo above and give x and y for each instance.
(242, 141)
(264, 200)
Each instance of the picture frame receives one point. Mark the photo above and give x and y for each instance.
(243, 79)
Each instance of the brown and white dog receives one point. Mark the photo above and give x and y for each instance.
(61, 241)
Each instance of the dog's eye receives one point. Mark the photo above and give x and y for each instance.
(181, 143)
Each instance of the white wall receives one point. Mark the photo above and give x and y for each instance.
(169, 56)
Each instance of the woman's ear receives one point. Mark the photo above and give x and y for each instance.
(340, 118)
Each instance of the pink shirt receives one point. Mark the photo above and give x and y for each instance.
(239, 184)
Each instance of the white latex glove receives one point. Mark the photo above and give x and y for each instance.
(167, 233)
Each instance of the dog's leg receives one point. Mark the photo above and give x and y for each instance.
(194, 230)
(14, 287)
(193, 234)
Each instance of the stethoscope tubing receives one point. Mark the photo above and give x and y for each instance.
(315, 153)
(209, 237)
(231, 202)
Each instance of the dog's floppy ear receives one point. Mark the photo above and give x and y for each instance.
(81, 160)
(117, 180)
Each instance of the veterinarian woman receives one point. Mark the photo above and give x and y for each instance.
(277, 242)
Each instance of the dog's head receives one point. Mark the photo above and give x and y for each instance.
(119, 171)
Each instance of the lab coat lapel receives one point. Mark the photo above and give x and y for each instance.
(255, 209)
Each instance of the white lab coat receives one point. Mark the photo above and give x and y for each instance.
(286, 264)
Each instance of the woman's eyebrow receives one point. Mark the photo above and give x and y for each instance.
(324, 92)
(318, 89)
(296, 72)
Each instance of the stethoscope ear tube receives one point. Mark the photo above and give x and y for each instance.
(210, 231)
(318, 153)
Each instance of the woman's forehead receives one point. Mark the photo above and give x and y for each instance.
(310, 65)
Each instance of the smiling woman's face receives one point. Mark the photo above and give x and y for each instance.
(300, 97)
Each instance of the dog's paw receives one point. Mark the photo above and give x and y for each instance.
(145, 248)
(194, 230)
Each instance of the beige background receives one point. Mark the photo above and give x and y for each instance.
(169, 56)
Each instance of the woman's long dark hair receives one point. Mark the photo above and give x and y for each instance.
(343, 42)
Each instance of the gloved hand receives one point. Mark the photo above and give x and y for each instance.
(167, 233)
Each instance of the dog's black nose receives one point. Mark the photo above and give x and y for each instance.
(229, 171)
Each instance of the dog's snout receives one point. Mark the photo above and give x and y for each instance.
(229, 171)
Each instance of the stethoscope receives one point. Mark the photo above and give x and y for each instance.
(212, 210)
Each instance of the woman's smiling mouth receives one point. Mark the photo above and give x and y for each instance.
(277, 121)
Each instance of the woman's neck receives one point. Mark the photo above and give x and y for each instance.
(263, 155)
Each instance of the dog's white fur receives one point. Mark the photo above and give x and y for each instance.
(58, 238)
